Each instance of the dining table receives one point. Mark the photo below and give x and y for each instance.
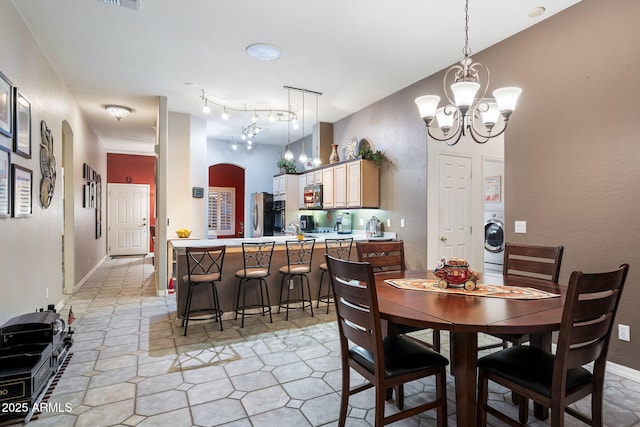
(465, 315)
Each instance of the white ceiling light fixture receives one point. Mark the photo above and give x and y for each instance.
(468, 111)
(118, 111)
(264, 51)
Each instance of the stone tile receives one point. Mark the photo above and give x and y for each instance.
(106, 415)
(277, 416)
(292, 372)
(153, 385)
(263, 400)
(109, 394)
(218, 412)
(160, 403)
(177, 418)
(307, 388)
(253, 381)
(210, 391)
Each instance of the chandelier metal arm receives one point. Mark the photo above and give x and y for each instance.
(449, 140)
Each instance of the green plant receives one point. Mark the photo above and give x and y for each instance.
(375, 156)
(289, 166)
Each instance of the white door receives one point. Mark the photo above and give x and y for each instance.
(455, 207)
(128, 219)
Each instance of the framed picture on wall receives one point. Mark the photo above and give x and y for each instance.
(5, 183)
(22, 191)
(22, 137)
(6, 106)
(492, 188)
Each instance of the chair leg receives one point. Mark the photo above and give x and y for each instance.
(266, 291)
(216, 304)
(435, 339)
(244, 302)
(523, 407)
(399, 389)
(238, 299)
(185, 315)
(483, 391)
(344, 398)
(378, 419)
(441, 396)
(308, 290)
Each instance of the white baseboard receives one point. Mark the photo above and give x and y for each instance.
(89, 274)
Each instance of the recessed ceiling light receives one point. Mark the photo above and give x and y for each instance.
(264, 51)
(536, 11)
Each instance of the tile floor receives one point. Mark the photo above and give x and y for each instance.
(131, 366)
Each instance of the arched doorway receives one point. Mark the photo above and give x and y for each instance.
(229, 183)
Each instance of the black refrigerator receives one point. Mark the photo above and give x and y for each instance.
(261, 214)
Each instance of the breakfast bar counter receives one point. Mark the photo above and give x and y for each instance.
(228, 288)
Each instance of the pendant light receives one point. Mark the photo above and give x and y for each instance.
(316, 160)
(468, 111)
(303, 156)
(288, 155)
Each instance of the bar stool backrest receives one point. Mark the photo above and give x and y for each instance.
(339, 248)
(300, 252)
(257, 255)
(204, 261)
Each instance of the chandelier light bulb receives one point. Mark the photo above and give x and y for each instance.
(206, 109)
(317, 161)
(288, 155)
(225, 115)
(303, 158)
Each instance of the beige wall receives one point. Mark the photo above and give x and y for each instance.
(30, 249)
(571, 152)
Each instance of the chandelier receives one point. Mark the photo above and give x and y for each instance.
(468, 112)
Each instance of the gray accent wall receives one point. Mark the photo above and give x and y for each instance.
(572, 149)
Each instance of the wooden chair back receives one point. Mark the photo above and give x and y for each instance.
(539, 262)
(383, 256)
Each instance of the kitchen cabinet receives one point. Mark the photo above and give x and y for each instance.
(363, 184)
(285, 187)
(340, 186)
(327, 188)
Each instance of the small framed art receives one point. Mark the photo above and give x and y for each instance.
(5, 183)
(22, 191)
(22, 129)
(6, 106)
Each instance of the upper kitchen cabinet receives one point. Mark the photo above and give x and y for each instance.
(356, 184)
(285, 187)
(327, 188)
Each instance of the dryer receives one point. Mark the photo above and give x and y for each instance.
(493, 241)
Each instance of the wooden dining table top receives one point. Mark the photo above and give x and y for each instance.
(470, 313)
(464, 316)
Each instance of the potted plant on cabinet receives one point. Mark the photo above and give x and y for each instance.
(286, 166)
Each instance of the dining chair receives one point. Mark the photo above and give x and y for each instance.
(383, 256)
(386, 362)
(299, 255)
(389, 256)
(337, 248)
(559, 380)
(204, 266)
(256, 258)
(535, 262)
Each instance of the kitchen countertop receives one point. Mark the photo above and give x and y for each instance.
(180, 244)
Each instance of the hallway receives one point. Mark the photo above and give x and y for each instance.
(131, 366)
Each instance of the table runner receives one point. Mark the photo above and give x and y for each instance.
(482, 289)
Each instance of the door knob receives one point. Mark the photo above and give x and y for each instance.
(443, 238)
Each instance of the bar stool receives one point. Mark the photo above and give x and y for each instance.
(299, 253)
(204, 266)
(336, 248)
(257, 266)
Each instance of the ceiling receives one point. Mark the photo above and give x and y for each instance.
(354, 52)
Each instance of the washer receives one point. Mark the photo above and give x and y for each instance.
(493, 241)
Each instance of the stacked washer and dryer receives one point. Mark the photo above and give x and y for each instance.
(493, 241)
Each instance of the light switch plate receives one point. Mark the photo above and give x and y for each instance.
(521, 226)
(388, 222)
(402, 222)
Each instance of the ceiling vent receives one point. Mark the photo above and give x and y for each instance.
(130, 4)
